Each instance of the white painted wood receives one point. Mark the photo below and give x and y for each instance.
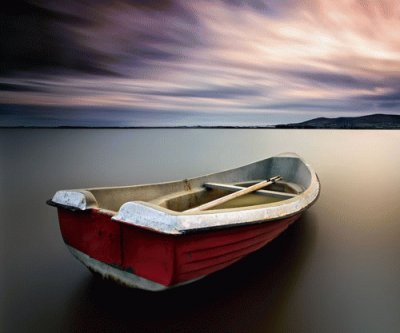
(81, 199)
(139, 205)
(139, 211)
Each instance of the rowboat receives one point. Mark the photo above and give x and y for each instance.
(163, 235)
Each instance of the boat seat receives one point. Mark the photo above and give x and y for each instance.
(280, 185)
(183, 200)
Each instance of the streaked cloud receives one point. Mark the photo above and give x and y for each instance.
(195, 62)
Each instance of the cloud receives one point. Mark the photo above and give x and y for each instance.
(18, 87)
(203, 57)
(386, 100)
(103, 38)
(327, 78)
(389, 96)
(211, 92)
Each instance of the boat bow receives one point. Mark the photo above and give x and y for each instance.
(74, 199)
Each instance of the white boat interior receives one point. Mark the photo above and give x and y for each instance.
(181, 202)
(172, 203)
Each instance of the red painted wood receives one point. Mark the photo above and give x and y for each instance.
(204, 253)
(92, 233)
(148, 254)
(195, 274)
(162, 258)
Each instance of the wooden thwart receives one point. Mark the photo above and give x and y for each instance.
(234, 195)
(235, 188)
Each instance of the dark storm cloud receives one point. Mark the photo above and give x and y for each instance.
(19, 87)
(68, 35)
(31, 37)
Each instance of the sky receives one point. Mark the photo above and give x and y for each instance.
(203, 62)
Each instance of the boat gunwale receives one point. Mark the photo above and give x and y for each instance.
(180, 222)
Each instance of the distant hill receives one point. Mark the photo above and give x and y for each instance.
(373, 121)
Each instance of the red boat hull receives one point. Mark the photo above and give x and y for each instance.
(163, 258)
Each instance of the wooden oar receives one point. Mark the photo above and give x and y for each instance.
(235, 188)
(234, 195)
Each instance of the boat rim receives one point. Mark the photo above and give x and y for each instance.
(160, 219)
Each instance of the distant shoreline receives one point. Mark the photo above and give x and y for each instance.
(139, 127)
(199, 127)
(369, 122)
(372, 121)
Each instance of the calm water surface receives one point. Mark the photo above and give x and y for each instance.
(336, 270)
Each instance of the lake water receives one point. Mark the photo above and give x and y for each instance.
(335, 270)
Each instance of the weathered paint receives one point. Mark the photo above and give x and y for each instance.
(134, 256)
(151, 214)
(120, 276)
(93, 233)
(152, 247)
(207, 252)
(149, 254)
(80, 199)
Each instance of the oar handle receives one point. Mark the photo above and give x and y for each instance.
(234, 195)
